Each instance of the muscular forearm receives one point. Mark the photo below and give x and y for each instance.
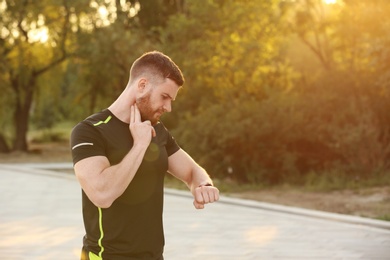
(122, 174)
(202, 189)
(183, 167)
(199, 177)
(104, 183)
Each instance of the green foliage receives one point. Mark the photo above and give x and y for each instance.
(34, 39)
(385, 217)
(248, 110)
(276, 91)
(246, 136)
(49, 136)
(154, 13)
(238, 71)
(238, 42)
(58, 132)
(103, 66)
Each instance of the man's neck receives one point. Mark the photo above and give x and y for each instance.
(121, 108)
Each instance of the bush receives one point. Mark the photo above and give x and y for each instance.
(287, 138)
(247, 137)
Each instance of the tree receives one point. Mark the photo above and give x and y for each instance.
(105, 52)
(348, 39)
(100, 36)
(269, 120)
(33, 41)
(155, 13)
(235, 72)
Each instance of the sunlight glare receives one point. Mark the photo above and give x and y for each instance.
(102, 10)
(261, 235)
(39, 35)
(330, 2)
(3, 6)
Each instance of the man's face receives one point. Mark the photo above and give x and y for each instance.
(157, 100)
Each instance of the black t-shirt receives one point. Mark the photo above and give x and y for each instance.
(131, 228)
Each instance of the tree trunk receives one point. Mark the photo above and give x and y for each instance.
(21, 125)
(3, 145)
(22, 115)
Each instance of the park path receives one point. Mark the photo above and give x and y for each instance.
(40, 218)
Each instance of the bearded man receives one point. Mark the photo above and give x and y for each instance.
(120, 157)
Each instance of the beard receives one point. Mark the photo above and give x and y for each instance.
(146, 110)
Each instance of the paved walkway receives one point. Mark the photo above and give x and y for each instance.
(40, 218)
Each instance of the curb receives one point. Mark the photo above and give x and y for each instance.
(33, 169)
(292, 210)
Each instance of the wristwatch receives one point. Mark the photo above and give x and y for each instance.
(205, 184)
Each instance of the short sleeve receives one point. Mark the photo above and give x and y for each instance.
(86, 141)
(171, 146)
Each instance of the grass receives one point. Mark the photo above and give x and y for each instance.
(385, 217)
(59, 133)
(336, 179)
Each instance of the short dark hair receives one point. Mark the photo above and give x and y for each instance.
(157, 64)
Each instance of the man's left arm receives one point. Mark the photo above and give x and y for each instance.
(183, 167)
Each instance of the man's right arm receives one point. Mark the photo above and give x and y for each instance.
(104, 183)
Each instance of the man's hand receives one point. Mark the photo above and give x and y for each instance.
(204, 195)
(142, 132)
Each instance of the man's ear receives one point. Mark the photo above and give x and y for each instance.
(141, 86)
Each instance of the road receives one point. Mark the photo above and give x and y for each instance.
(41, 219)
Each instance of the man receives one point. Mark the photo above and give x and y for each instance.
(120, 157)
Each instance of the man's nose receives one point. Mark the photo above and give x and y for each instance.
(168, 106)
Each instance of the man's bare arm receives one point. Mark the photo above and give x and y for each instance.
(183, 167)
(104, 183)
